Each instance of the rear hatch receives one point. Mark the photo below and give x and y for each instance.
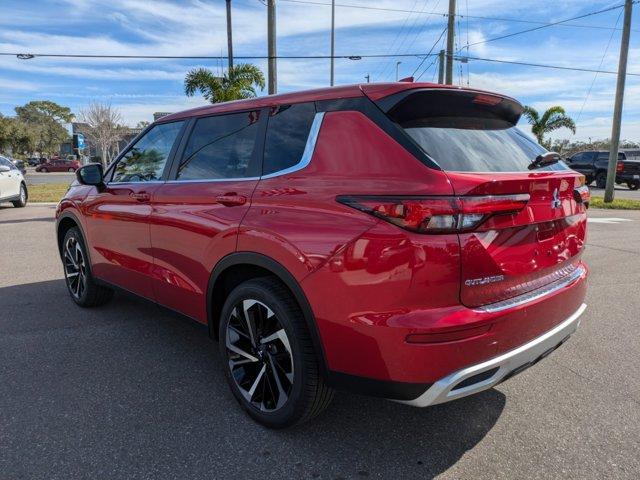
(524, 227)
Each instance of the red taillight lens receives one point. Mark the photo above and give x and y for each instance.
(437, 214)
(619, 167)
(582, 195)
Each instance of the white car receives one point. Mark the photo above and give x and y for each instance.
(13, 188)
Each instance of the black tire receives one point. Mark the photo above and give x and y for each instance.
(588, 181)
(305, 394)
(633, 185)
(77, 272)
(601, 179)
(24, 195)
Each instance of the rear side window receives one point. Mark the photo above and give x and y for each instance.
(467, 131)
(146, 159)
(287, 134)
(221, 147)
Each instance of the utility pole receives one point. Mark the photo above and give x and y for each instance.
(368, 77)
(450, 38)
(617, 110)
(229, 37)
(441, 58)
(397, 66)
(271, 43)
(333, 37)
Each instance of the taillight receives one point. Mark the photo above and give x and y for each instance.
(619, 167)
(437, 214)
(582, 195)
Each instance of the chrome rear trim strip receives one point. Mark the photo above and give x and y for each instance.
(548, 289)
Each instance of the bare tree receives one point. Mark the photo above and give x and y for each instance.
(102, 125)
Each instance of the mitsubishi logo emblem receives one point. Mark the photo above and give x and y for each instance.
(555, 203)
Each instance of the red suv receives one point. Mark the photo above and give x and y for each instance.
(402, 240)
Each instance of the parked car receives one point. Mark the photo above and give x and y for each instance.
(34, 161)
(58, 165)
(13, 188)
(593, 165)
(403, 240)
(20, 165)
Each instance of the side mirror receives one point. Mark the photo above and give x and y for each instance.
(91, 174)
(4, 168)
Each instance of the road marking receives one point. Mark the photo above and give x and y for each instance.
(608, 220)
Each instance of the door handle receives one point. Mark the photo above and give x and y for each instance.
(231, 199)
(141, 196)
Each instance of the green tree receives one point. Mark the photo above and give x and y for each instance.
(552, 119)
(45, 118)
(237, 83)
(16, 135)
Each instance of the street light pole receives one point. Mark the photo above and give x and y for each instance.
(271, 44)
(333, 37)
(229, 37)
(617, 110)
(450, 43)
(441, 61)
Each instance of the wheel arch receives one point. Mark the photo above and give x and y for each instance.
(240, 266)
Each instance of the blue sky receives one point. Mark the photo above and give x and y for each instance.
(197, 27)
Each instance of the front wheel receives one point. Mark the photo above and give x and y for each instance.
(22, 199)
(71, 170)
(633, 185)
(269, 359)
(77, 272)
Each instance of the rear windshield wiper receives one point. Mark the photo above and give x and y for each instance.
(548, 158)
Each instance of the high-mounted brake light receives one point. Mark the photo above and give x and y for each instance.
(437, 214)
(483, 99)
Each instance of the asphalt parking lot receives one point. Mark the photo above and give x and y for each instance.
(131, 391)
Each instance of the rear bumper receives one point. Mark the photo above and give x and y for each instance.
(484, 375)
(627, 177)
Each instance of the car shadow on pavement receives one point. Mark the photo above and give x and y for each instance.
(129, 390)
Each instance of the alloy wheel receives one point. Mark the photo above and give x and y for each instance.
(260, 357)
(75, 267)
(23, 195)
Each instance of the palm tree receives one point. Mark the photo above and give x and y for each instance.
(553, 119)
(237, 83)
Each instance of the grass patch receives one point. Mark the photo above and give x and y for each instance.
(617, 204)
(47, 192)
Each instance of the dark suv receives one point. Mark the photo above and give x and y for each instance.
(593, 165)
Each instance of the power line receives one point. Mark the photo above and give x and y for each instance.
(429, 54)
(307, 57)
(509, 35)
(595, 76)
(444, 14)
(542, 65)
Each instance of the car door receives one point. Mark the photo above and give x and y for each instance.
(117, 216)
(9, 181)
(197, 212)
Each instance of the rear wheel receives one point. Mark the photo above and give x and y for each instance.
(44, 170)
(77, 272)
(71, 170)
(633, 185)
(22, 199)
(601, 179)
(268, 356)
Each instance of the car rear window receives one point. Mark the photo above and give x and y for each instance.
(468, 131)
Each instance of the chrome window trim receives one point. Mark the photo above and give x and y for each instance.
(305, 159)
(150, 182)
(309, 148)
